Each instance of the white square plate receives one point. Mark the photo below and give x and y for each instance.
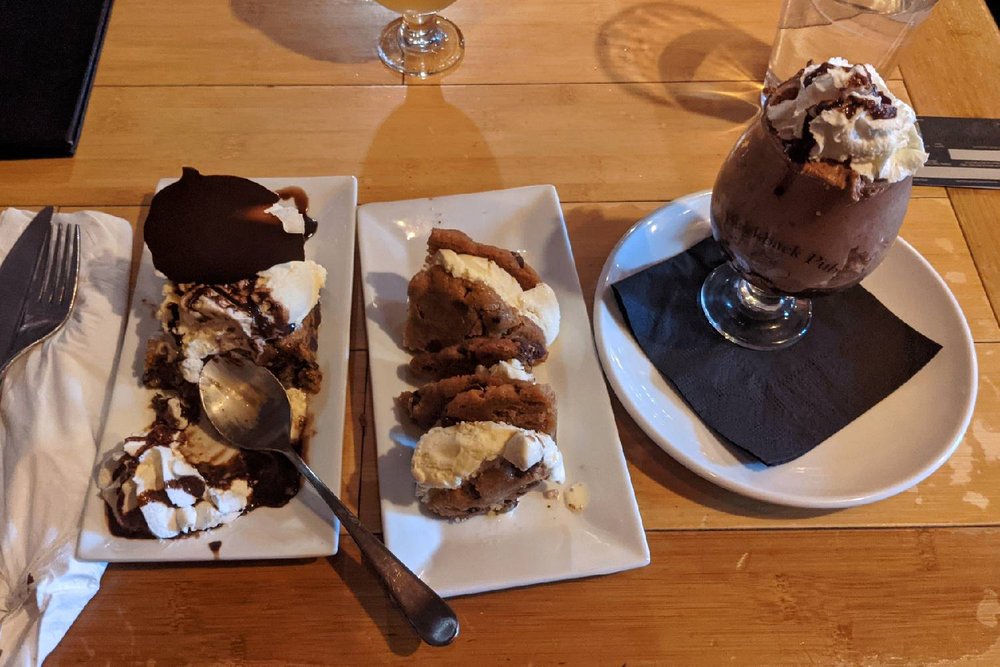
(304, 527)
(541, 540)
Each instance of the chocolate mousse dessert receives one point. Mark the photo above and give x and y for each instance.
(813, 194)
(237, 283)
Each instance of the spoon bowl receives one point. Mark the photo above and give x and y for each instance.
(248, 406)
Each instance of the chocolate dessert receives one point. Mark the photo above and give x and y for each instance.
(474, 467)
(814, 192)
(482, 397)
(490, 439)
(471, 293)
(259, 299)
(495, 487)
(463, 358)
(478, 319)
(157, 487)
(220, 229)
(248, 316)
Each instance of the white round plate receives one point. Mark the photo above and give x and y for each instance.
(893, 446)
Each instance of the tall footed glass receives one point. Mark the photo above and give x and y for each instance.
(791, 231)
(420, 42)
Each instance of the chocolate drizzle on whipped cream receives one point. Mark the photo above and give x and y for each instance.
(838, 116)
(246, 296)
(178, 496)
(200, 321)
(876, 103)
(220, 229)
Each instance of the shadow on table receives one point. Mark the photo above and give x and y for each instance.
(361, 581)
(342, 31)
(427, 147)
(353, 575)
(647, 47)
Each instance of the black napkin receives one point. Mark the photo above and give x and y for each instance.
(48, 57)
(775, 405)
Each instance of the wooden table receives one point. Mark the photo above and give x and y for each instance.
(623, 105)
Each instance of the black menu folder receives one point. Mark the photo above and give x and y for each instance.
(48, 57)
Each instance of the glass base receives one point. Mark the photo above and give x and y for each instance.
(437, 46)
(751, 317)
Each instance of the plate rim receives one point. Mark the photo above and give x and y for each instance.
(100, 552)
(602, 308)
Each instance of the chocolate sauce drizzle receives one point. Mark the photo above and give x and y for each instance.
(857, 96)
(241, 296)
(272, 478)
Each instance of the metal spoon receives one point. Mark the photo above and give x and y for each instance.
(249, 407)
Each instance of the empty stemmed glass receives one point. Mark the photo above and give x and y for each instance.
(420, 42)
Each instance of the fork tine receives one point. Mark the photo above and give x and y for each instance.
(37, 283)
(51, 290)
(73, 266)
(52, 266)
(62, 265)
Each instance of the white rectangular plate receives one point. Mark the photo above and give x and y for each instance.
(541, 540)
(304, 527)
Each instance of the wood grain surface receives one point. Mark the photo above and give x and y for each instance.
(600, 142)
(949, 81)
(244, 42)
(623, 105)
(827, 597)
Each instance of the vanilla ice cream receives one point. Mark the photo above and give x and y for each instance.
(445, 457)
(538, 304)
(294, 285)
(511, 369)
(527, 448)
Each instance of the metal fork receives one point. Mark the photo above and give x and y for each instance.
(51, 293)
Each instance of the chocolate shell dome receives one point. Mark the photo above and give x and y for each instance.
(216, 229)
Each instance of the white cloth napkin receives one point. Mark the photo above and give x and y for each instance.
(51, 411)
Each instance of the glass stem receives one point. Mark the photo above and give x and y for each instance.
(418, 31)
(756, 300)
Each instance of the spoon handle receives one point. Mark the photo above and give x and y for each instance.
(431, 617)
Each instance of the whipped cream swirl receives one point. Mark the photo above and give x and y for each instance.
(852, 118)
